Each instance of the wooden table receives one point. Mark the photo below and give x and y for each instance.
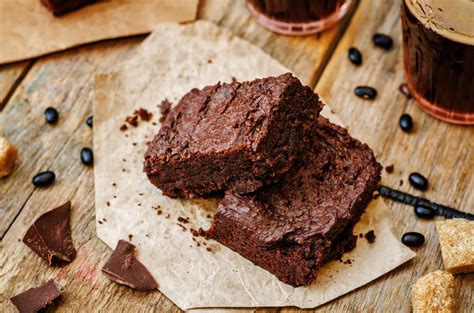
(442, 152)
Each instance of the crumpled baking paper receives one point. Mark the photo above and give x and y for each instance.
(28, 29)
(171, 61)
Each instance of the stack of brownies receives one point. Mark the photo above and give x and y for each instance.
(294, 184)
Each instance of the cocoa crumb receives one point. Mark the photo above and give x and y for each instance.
(389, 169)
(123, 127)
(143, 114)
(183, 220)
(370, 236)
(183, 228)
(132, 120)
(165, 107)
(130, 237)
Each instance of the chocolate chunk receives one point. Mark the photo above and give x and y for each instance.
(123, 268)
(50, 236)
(36, 299)
(132, 120)
(144, 114)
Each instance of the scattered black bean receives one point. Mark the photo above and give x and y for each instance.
(405, 122)
(425, 212)
(51, 115)
(365, 92)
(355, 56)
(89, 121)
(382, 41)
(403, 197)
(87, 157)
(413, 239)
(44, 179)
(418, 181)
(404, 90)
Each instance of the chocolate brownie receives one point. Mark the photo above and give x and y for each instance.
(60, 7)
(292, 227)
(236, 136)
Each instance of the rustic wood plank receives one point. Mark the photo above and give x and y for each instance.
(10, 76)
(442, 152)
(63, 80)
(305, 56)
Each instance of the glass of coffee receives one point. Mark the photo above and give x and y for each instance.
(438, 57)
(298, 17)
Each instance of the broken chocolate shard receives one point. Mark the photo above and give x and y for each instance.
(123, 268)
(36, 299)
(50, 236)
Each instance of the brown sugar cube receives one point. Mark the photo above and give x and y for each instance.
(456, 238)
(434, 292)
(8, 155)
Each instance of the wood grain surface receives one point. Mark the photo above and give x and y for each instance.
(64, 81)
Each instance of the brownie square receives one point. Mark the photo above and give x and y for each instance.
(293, 227)
(236, 136)
(60, 7)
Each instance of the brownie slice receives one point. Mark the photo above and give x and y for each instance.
(60, 7)
(293, 227)
(236, 136)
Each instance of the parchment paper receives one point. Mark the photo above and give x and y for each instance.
(172, 60)
(28, 30)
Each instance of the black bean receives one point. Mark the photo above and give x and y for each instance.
(51, 115)
(413, 239)
(418, 181)
(44, 179)
(382, 41)
(365, 92)
(355, 56)
(89, 121)
(425, 212)
(87, 157)
(405, 122)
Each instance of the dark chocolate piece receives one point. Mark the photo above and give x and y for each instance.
(36, 299)
(60, 7)
(50, 236)
(293, 227)
(123, 268)
(237, 136)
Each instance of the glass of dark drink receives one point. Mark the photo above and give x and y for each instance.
(298, 17)
(438, 57)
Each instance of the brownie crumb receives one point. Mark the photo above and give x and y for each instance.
(167, 216)
(348, 261)
(209, 216)
(183, 220)
(108, 203)
(139, 204)
(361, 235)
(198, 244)
(209, 61)
(143, 114)
(234, 80)
(153, 123)
(123, 127)
(165, 107)
(376, 195)
(104, 219)
(100, 222)
(130, 237)
(134, 143)
(370, 236)
(209, 249)
(159, 212)
(183, 228)
(114, 184)
(115, 197)
(389, 169)
(401, 182)
(141, 194)
(132, 120)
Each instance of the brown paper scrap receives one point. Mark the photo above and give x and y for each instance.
(172, 60)
(28, 30)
